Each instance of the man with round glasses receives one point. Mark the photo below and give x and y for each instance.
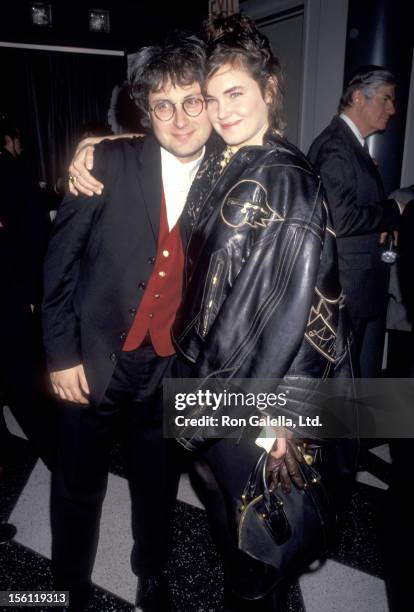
(165, 109)
(113, 281)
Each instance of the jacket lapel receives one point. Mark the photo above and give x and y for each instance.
(339, 125)
(185, 218)
(207, 175)
(348, 134)
(150, 181)
(362, 155)
(185, 228)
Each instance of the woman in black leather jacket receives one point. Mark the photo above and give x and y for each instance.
(262, 297)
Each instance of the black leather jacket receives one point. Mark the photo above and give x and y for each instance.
(262, 297)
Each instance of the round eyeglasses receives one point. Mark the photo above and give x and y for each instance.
(165, 109)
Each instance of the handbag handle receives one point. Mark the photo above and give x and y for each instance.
(309, 474)
(250, 488)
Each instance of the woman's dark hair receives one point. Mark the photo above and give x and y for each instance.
(236, 40)
(180, 60)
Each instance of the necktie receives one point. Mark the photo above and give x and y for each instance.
(374, 161)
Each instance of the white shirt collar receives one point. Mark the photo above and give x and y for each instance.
(177, 179)
(354, 128)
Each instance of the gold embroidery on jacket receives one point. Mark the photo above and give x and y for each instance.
(319, 330)
(248, 205)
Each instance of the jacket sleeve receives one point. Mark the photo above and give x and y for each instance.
(61, 273)
(351, 217)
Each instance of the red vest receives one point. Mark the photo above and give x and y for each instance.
(156, 312)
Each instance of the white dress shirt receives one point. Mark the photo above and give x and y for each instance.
(176, 179)
(353, 127)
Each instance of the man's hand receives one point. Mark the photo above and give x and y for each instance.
(383, 237)
(80, 179)
(71, 384)
(282, 465)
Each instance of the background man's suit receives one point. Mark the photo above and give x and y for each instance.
(101, 256)
(360, 212)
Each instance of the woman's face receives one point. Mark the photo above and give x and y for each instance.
(236, 108)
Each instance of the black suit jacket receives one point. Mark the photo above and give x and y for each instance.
(360, 211)
(100, 257)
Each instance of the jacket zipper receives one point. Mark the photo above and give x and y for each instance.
(211, 295)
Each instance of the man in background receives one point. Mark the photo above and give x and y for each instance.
(359, 208)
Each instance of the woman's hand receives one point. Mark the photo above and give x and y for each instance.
(80, 179)
(282, 465)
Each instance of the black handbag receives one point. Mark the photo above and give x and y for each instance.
(285, 531)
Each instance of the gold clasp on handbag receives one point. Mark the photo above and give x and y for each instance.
(309, 452)
(308, 458)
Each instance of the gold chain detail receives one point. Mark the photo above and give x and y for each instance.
(225, 157)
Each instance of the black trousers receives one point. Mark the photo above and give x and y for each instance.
(369, 340)
(133, 405)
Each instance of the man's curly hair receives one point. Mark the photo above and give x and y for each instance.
(179, 61)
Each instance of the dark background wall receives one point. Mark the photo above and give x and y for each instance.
(52, 94)
(133, 24)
